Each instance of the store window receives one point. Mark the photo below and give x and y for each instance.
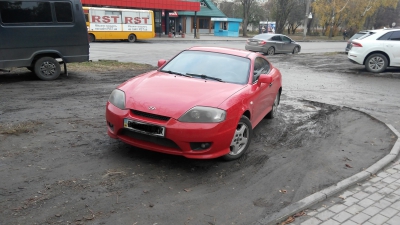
(204, 23)
(223, 26)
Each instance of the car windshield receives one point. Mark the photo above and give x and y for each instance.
(210, 66)
(263, 36)
(366, 35)
(357, 35)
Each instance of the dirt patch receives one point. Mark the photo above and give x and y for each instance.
(62, 168)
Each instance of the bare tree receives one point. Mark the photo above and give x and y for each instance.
(246, 4)
(281, 10)
(296, 16)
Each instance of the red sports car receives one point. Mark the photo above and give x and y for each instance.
(203, 103)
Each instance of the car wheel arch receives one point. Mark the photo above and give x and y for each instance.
(377, 52)
(247, 114)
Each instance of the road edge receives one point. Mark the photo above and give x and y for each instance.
(326, 193)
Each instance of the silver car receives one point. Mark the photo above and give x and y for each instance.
(272, 43)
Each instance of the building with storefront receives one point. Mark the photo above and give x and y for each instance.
(166, 12)
(202, 18)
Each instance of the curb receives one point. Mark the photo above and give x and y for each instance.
(324, 194)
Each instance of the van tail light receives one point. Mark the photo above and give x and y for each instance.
(262, 42)
(356, 44)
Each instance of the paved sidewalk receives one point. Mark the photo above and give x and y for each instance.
(202, 37)
(211, 37)
(371, 197)
(373, 202)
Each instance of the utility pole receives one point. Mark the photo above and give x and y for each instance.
(306, 18)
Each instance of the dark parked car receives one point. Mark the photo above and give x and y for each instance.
(272, 43)
(355, 36)
(42, 34)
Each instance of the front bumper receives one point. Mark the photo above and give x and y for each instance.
(178, 136)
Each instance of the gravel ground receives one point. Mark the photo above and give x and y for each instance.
(58, 166)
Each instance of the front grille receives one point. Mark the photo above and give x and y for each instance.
(149, 115)
(152, 139)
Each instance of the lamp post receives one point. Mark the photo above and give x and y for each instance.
(308, 15)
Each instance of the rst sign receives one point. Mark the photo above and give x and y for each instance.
(109, 20)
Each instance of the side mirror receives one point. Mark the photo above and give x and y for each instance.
(161, 62)
(265, 78)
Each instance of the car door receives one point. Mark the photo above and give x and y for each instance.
(392, 47)
(277, 40)
(287, 44)
(262, 94)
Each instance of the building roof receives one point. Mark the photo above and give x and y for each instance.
(207, 8)
(177, 5)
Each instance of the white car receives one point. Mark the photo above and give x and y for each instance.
(377, 50)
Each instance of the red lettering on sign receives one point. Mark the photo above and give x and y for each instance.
(137, 20)
(96, 19)
(145, 19)
(115, 18)
(128, 19)
(106, 19)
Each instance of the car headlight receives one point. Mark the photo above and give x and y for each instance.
(201, 114)
(117, 98)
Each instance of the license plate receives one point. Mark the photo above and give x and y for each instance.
(144, 128)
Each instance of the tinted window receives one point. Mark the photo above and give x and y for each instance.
(286, 39)
(261, 66)
(263, 36)
(63, 11)
(356, 36)
(385, 36)
(366, 35)
(25, 12)
(276, 38)
(395, 36)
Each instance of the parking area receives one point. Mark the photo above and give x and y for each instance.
(58, 166)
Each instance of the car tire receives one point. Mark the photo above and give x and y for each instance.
(376, 63)
(241, 139)
(271, 51)
(92, 38)
(132, 38)
(274, 111)
(295, 50)
(47, 68)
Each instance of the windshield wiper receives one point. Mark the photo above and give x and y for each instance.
(177, 73)
(204, 76)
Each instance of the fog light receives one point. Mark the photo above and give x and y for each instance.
(111, 126)
(199, 146)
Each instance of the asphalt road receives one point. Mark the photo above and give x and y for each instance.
(150, 52)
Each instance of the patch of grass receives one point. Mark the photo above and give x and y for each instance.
(103, 65)
(20, 128)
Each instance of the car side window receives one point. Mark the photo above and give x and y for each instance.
(395, 36)
(286, 39)
(385, 36)
(261, 66)
(276, 38)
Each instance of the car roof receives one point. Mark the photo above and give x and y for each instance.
(230, 51)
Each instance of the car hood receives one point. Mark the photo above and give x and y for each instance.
(172, 95)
